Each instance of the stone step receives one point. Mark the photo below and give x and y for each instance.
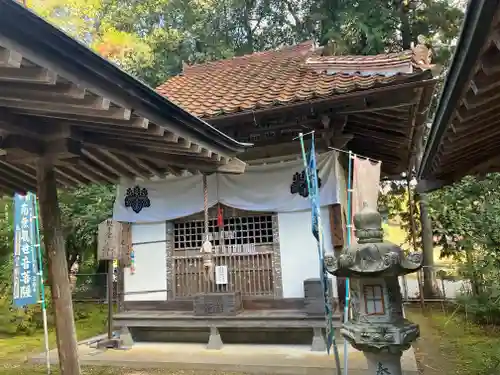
(250, 359)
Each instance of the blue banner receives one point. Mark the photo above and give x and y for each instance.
(313, 187)
(25, 273)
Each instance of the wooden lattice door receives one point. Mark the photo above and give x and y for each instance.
(245, 244)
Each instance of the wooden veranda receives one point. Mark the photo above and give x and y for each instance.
(69, 117)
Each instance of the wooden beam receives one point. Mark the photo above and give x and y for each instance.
(28, 74)
(276, 150)
(148, 167)
(472, 100)
(341, 141)
(234, 166)
(159, 146)
(478, 113)
(48, 104)
(123, 164)
(75, 181)
(377, 104)
(49, 110)
(484, 166)
(9, 184)
(18, 180)
(45, 99)
(55, 252)
(165, 160)
(387, 137)
(80, 170)
(59, 89)
(10, 59)
(490, 60)
(396, 113)
(455, 156)
(473, 137)
(24, 175)
(21, 149)
(101, 163)
(133, 122)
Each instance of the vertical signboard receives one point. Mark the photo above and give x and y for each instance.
(25, 273)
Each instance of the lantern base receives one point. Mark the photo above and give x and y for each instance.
(384, 363)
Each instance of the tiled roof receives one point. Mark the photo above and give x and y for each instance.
(288, 75)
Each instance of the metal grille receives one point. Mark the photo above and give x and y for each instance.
(238, 234)
(244, 244)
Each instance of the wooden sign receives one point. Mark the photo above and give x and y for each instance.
(126, 245)
(337, 225)
(114, 241)
(221, 275)
(247, 248)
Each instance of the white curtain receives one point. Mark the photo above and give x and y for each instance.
(261, 188)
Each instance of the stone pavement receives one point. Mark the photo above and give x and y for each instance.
(255, 359)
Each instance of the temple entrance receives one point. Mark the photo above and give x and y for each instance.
(244, 253)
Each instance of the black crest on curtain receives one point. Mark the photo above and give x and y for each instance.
(299, 184)
(137, 198)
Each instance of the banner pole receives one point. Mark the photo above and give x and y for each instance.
(311, 173)
(42, 285)
(350, 187)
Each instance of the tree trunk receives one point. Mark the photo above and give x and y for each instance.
(427, 248)
(406, 32)
(248, 28)
(475, 277)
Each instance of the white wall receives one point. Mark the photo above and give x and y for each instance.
(299, 253)
(452, 289)
(299, 256)
(150, 263)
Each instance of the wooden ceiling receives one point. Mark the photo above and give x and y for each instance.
(91, 134)
(465, 134)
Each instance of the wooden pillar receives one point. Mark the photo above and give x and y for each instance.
(427, 246)
(53, 238)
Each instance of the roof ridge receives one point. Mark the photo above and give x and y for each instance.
(418, 56)
(296, 49)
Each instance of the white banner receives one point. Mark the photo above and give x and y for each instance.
(267, 188)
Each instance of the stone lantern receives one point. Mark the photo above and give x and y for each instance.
(377, 326)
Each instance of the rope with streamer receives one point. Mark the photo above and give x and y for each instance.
(206, 247)
(205, 205)
(310, 171)
(350, 187)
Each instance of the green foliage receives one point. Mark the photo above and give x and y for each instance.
(466, 226)
(152, 38)
(82, 209)
(452, 344)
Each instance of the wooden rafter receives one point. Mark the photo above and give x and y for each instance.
(89, 137)
(474, 130)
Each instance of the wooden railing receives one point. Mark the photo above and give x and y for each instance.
(251, 274)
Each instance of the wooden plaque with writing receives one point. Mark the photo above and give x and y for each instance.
(337, 225)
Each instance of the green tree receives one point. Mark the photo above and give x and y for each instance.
(82, 209)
